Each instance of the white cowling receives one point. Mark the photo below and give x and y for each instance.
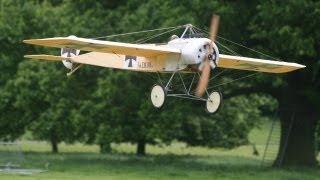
(194, 50)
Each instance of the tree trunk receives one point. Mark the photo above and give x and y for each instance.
(105, 147)
(141, 148)
(54, 142)
(297, 143)
(298, 127)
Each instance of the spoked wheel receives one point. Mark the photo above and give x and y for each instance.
(214, 102)
(158, 95)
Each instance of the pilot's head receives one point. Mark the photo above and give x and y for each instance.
(174, 37)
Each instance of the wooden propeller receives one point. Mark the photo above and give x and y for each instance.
(205, 75)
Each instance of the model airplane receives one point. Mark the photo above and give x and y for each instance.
(179, 55)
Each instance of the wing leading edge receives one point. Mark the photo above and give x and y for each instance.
(103, 46)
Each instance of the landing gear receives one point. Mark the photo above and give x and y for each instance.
(214, 102)
(158, 95)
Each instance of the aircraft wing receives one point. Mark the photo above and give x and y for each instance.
(110, 60)
(103, 46)
(260, 65)
(48, 57)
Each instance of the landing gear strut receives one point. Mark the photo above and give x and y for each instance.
(160, 92)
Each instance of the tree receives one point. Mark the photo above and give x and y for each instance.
(229, 128)
(40, 93)
(293, 37)
(11, 32)
(142, 124)
(39, 96)
(127, 114)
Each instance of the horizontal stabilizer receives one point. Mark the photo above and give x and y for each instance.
(47, 57)
(260, 65)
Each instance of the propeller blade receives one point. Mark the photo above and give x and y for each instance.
(204, 78)
(201, 65)
(212, 65)
(214, 27)
(207, 64)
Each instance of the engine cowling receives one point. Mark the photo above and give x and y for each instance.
(195, 50)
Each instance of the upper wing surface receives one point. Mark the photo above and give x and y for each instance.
(103, 46)
(252, 64)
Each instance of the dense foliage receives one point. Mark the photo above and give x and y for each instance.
(102, 106)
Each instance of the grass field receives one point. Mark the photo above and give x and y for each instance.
(172, 162)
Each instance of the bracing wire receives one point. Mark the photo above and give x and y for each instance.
(233, 80)
(238, 44)
(169, 29)
(196, 30)
(234, 53)
(228, 82)
(225, 70)
(228, 49)
(136, 32)
(261, 53)
(143, 40)
(217, 75)
(219, 43)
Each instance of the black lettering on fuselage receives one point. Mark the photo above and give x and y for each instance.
(145, 65)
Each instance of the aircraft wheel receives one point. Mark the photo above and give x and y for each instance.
(214, 102)
(158, 95)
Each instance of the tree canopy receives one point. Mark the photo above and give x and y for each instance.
(102, 106)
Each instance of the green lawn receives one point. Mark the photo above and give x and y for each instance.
(173, 162)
